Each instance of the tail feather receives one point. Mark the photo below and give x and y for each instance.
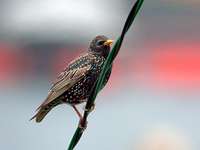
(39, 116)
(43, 110)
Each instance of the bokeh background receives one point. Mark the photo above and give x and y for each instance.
(152, 100)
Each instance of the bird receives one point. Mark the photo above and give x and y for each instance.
(75, 82)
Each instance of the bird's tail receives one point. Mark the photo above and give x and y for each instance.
(39, 116)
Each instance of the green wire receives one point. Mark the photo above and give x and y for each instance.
(111, 57)
(117, 46)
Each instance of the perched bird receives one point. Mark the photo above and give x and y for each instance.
(74, 84)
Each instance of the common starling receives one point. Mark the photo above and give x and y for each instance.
(74, 84)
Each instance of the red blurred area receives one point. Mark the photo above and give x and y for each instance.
(16, 64)
(169, 64)
(178, 63)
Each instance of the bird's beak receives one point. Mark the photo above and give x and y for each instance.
(108, 42)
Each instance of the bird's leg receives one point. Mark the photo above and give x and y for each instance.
(80, 116)
(78, 113)
(91, 108)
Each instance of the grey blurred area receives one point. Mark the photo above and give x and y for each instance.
(151, 101)
(58, 21)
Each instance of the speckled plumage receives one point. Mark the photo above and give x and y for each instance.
(74, 84)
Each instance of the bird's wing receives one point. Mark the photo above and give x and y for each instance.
(73, 73)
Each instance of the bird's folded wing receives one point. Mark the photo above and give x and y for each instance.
(65, 81)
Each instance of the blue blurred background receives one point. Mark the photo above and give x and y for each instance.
(152, 100)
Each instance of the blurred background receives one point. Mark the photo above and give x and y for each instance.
(152, 99)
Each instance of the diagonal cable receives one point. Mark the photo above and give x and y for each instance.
(113, 53)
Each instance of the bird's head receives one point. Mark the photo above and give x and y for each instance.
(100, 45)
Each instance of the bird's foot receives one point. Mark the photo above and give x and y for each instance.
(83, 128)
(90, 109)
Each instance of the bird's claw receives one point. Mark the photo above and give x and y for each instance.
(83, 128)
(90, 109)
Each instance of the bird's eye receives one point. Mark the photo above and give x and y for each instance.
(100, 43)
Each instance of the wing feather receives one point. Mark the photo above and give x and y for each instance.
(66, 80)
